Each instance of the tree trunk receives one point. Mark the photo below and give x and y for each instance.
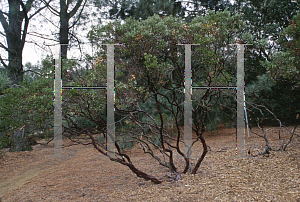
(15, 68)
(202, 156)
(64, 23)
(14, 42)
(64, 29)
(64, 36)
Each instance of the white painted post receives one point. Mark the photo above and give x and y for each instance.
(110, 100)
(57, 105)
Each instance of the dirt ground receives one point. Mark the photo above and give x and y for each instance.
(84, 175)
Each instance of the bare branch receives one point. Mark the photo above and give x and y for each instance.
(3, 21)
(50, 21)
(79, 15)
(4, 47)
(29, 2)
(39, 10)
(3, 63)
(52, 10)
(284, 147)
(74, 10)
(41, 36)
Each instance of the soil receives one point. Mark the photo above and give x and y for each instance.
(85, 175)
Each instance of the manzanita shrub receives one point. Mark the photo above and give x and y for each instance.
(149, 85)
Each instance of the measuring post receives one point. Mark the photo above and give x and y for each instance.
(57, 104)
(240, 102)
(110, 91)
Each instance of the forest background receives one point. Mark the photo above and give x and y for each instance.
(150, 65)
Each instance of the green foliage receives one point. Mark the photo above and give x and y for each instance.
(262, 85)
(30, 104)
(5, 139)
(126, 143)
(265, 20)
(83, 122)
(141, 9)
(4, 80)
(287, 60)
(32, 72)
(280, 97)
(150, 60)
(84, 107)
(267, 17)
(278, 89)
(156, 140)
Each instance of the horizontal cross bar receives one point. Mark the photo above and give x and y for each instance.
(216, 87)
(205, 87)
(81, 87)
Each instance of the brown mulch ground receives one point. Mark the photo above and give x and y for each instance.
(85, 175)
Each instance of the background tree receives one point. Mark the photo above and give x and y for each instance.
(279, 87)
(143, 9)
(290, 46)
(265, 20)
(15, 35)
(65, 14)
(35, 72)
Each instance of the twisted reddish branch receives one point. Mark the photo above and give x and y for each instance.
(129, 164)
